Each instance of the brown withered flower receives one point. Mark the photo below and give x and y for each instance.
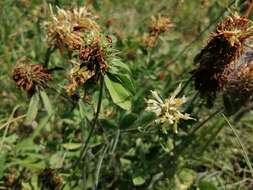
(30, 76)
(78, 76)
(217, 60)
(93, 57)
(239, 88)
(157, 26)
(92, 64)
(149, 40)
(68, 27)
(49, 179)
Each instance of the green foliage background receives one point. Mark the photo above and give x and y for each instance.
(126, 151)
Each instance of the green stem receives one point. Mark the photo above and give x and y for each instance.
(48, 55)
(177, 150)
(92, 129)
(205, 121)
(10, 120)
(241, 144)
(185, 86)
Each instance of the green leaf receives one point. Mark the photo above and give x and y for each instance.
(118, 64)
(2, 164)
(33, 107)
(126, 82)
(71, 146)
(81, 110)
(108, 123)
(137, 181)
(25, 145)
(56, 160)
(128, 119)
(118, 93)
(85, 110)
(145, 118)
(32, 165)
(206, 185)
(42, 123)
(185, 178)
(46, 102)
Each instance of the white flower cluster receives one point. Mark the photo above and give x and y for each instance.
(168, 110)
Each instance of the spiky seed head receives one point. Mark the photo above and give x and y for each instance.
(30, 76)
(93, 57)
(217, 59)
(67, 27)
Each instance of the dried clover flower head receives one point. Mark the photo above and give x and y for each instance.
(78, 76)
(168, 110)
(217, 60)
(242, 78)
(68, 27)
(92, 64)
(93, 57)
(235, 29)
(49, 179)
(239, 88)
(29, 76)
(149, 40)
(157, 26)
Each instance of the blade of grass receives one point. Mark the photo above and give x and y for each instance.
(99, 166)
(11, 121)
(241, 144)
(7, 126)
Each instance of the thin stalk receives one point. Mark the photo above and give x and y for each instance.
(99, 166)
(245, 155)
(185, 86)
(239, 115)
(187, 140)
(189, 107)
(115, 143)
(249, 10)
(10, 120)
(206, 120)
(92, 129)
(48, 55)
(212, 138)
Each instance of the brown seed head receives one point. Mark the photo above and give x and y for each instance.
(241, 80)
(48, 179)
(93, 57)
(29, 76)
(68, 27)
(235, 29)
(239, 88)
(78, 77)
(159, 25)
(217, 60)
(149, 41)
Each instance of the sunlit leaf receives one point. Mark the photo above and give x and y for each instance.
(33, 107)
(137, 181)
(119, 94)
(71, 146)
(206, 185)
(46, 102)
